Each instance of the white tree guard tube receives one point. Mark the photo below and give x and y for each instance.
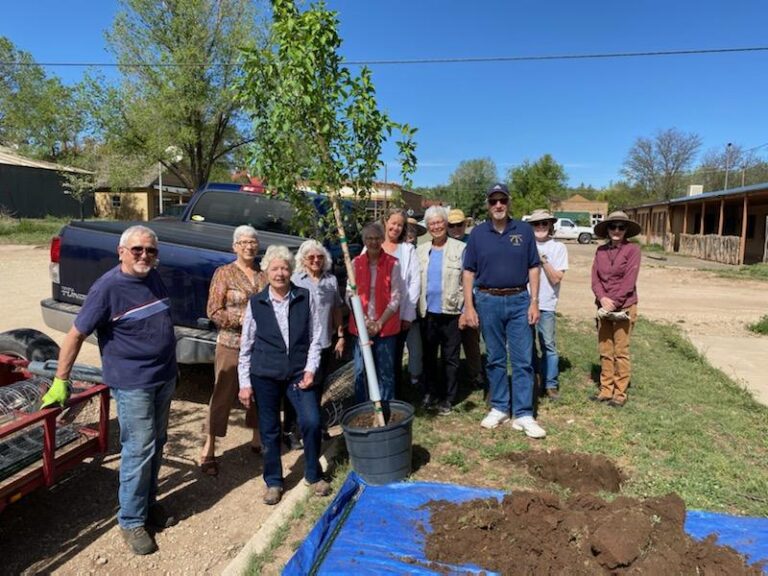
(365, 348)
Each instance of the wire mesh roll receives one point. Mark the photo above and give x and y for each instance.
(339, 389)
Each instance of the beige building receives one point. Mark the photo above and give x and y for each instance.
(141, 201)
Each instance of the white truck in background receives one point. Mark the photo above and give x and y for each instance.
(567, 229)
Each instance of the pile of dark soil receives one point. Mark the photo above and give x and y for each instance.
(579, 472)
(539, 533)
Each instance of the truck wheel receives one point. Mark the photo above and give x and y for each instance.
(28, 344)
(584, 238)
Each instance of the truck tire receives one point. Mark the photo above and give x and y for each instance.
(28, 344)
(584, 238)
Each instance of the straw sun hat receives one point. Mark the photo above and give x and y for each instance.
(633, 228)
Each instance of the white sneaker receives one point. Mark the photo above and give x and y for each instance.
(494, 418)
(528, 425)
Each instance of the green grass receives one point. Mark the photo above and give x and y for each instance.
(760, 327)
(750, 272)
(29, 231)
(652, 247)
(687, 428)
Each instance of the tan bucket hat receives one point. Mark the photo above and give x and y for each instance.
(541, 215)
(456, 216)
(633, 228)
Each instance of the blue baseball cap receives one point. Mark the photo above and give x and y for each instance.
(498, 188)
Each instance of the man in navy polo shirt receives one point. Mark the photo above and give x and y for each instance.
(501, 259)
(129, 310)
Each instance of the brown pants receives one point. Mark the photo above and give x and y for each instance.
(225, 390)
(615, 364)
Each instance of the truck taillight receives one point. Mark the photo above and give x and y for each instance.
(55, 249)
(53, 267)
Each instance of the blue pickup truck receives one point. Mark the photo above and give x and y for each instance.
(191, 248)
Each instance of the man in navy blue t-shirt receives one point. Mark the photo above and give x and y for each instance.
(500, 261)
(129, 310)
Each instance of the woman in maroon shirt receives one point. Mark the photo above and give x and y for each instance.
(614, 279)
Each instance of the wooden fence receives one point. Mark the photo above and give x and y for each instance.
(723, 249)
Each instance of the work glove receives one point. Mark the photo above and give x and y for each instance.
(58, 393)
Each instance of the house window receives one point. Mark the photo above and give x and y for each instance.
(116, 200)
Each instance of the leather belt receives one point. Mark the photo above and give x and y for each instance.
(504, 291)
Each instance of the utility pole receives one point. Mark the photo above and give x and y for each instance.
(727, 159)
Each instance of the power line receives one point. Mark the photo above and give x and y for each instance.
(418, 61)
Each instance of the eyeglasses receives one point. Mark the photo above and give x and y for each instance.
(247, 243)
(493, 201)
(455, 225)
(541, 224)
(318, 257)
(139, 250)
(617, 227)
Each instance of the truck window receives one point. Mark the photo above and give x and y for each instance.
(234, 209)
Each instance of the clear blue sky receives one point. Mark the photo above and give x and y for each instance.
(586, 113)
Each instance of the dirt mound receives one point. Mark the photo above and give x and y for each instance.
(579, 472)
(537, 533)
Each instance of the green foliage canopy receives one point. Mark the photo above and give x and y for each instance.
(468, 184)
(533, 184)
(314, 121)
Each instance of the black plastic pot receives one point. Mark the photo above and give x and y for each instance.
(380, 455)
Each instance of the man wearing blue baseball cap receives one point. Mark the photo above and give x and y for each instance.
(501, 261)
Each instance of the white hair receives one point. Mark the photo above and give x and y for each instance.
(137, 230)
(372, 228)
(435, 212)
(244, 230)
(277, 252)
(312, 247)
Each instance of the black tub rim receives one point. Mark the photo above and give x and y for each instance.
(407, 408)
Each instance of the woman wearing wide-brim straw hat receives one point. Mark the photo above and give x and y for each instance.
(614, 283)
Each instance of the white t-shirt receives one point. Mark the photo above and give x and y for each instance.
(557, 255)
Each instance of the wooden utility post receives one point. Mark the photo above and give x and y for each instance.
(743, 237)
(720, 222)
(685, 219)
(703, 214)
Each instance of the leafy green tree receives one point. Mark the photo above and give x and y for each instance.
(468, 184)
(621, 195)
(533, 185)
(79, 185)
(313, 119)
(177, 61)
(659, 164)
(38, 114)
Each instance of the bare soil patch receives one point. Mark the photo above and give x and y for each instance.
(578, 472)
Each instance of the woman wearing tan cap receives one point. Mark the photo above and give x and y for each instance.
(614, 283)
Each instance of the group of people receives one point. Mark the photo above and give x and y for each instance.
(279, 322)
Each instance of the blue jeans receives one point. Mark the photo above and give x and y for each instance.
(143, 418)
(505, 328)
(268, 393)
(383, 349)
(550, 360)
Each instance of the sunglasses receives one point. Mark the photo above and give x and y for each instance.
(312, 257)
(455, 225)
(494, 201)
(139, 250)
(541, 224)
(617, 226)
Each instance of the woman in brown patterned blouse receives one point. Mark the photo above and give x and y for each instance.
(231, 287)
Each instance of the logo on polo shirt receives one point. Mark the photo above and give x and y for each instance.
(516, 239)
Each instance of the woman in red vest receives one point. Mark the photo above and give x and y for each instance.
(378, 285)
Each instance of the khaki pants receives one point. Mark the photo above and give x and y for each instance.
(225, 390)
(615, 364)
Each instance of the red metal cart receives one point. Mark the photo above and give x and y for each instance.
(86, 437)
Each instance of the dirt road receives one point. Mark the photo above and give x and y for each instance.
(71, 529)
(713, 311)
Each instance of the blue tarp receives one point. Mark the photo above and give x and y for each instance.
(380, 530)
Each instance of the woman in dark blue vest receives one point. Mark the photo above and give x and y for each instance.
(279, 355)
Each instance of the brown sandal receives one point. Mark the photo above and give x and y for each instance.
(209, 466)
